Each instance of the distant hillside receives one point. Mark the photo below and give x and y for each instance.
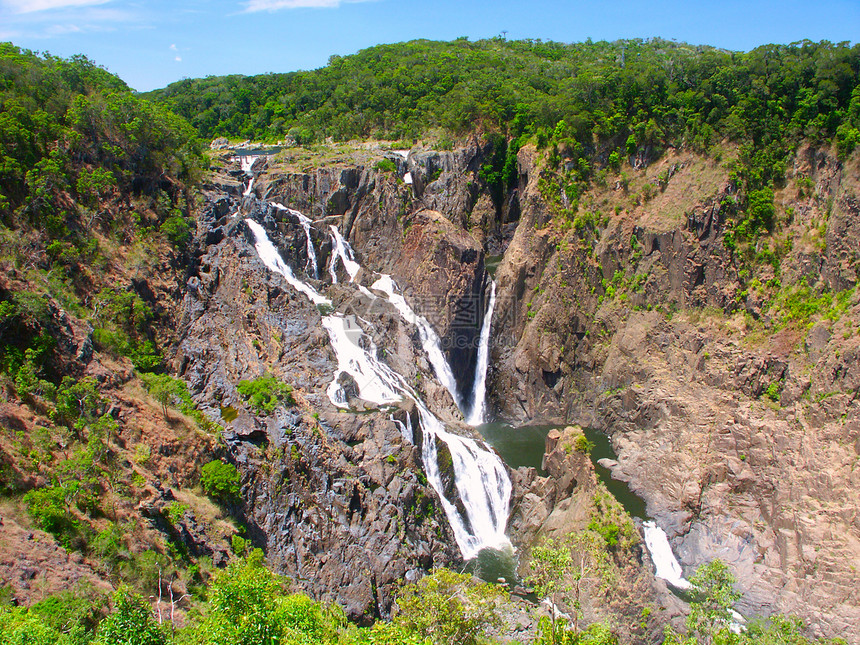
(656, 91)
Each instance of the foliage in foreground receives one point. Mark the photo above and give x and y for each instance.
(248, 604)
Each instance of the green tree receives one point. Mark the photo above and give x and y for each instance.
(565, 571)
(710, 617)
(220, 480)
(448, 608)
(264, 393)
(130, 623)
(551, 563)
(249, 605)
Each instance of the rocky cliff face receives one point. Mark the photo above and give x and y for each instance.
(339, 499)
(734, 420)
(733, 415)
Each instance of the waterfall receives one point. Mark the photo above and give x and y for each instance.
(343, 251)
(247, 162)
(669, 569)
(482, 484)
(429, 338)
(306, 224)
(480, 477)
(665, 563)
(272, 259)
(477, 415)
(376, 382)
(405, 428)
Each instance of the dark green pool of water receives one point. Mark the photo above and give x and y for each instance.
(632, 503)
(524, 446)
(521, 446)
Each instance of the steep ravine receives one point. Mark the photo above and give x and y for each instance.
(645, 327)
(639, 324)
(345, 502)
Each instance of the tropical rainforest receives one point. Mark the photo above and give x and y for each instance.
(99, 188)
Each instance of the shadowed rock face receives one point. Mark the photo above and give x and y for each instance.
(338, 499)
(741, 434)
(444, 268)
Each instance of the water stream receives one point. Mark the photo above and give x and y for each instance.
(342, 252)
(480, 477)
(524, 446)
(312, 267)
(247, 162)
(478, 412)
(481, 480)
(429, 338)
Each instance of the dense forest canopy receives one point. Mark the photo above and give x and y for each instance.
(656, 91)
(81, 156)
(70, 129)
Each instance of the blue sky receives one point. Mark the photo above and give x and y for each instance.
(152, 43)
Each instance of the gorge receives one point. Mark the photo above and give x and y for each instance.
(371, 201)
(593, 309)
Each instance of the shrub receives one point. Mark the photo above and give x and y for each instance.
(248, 604)
(265, 392)
(772, 391)
(583, 444)
(220, 480)
(130, 622)
(176, 229)
(239, 545)
(448, 607)
(386, 165)
(48, 507)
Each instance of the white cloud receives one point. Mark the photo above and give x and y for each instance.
(70, 19)
(178, 59)
(32, 6)
(173, 48)
(61, 30)
(274, 5)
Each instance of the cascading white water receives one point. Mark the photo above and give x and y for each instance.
(343, 251)
(272, 259)
(405, 428)
(306, 224)
(482, 484)
(477, 415)
(669, 569)
(480, 477)
(429, 338)
(376, 382)
(664, 560)
(247, 163)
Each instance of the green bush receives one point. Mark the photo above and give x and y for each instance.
(74, 611)
(177, 230)
(20, 627)
(131, 622)
(772, 391)
(265, 392)
(49, 508)
(220, 480)
(248, 604)
(386, 165)
(583, 444)
(447, 607)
